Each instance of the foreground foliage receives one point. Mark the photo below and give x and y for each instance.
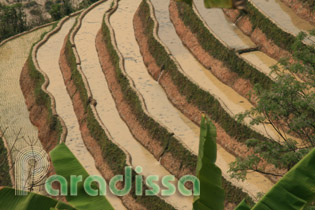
(289, 107)
(65, 164)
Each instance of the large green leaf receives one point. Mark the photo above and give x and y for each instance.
(66, 164)
(211, 191)
(295, 190)
(32, 201)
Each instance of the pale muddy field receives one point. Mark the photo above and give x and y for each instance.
(233, 37)
(106, 108)
(206, 80)
(156, 100)
(219, 25)
(261, 61)
(14, 114)
(284, 17)
(229, 99)
(48, 60)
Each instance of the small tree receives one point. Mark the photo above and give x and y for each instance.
(289, 107)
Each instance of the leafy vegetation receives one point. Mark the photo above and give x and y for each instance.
(289, 107)
(12, 20)
(66, 165)
(294, 191)
(8, 200)
(211, 191)
(60, 9)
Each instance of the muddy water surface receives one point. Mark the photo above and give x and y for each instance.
(284, 17)
(230, 100)
(85, 42)
(48, 59)
(255, 182)
(13, 111)
(261, 61)
(223, 28)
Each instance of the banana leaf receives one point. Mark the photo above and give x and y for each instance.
(65, 164)
(32, 201)
(211, 191)
(295, 190)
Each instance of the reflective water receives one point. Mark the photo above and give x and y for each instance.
(219, 25)
(48, 60)
(284, 16)
(85, 42)
(261, 61)
(13, 111)
(203, 77)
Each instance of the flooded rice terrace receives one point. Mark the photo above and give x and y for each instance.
(16, 118)
(106, 108)
(284, 17)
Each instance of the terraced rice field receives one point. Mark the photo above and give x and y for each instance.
(285, 18)
(14, 118)
(155, 100)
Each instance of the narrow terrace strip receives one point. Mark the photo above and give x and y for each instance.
(170, 38)
(14, 113)
(230, 100)
(48, 60)
(284, 17)
(14, 119)
(226, 31)
(106, 108)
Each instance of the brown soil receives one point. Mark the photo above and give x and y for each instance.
(179, 101)
(39, 117)
(218, 69)
(171, 163)
(90, 143)
(38, 113)
(257, 36)
(301, 10)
